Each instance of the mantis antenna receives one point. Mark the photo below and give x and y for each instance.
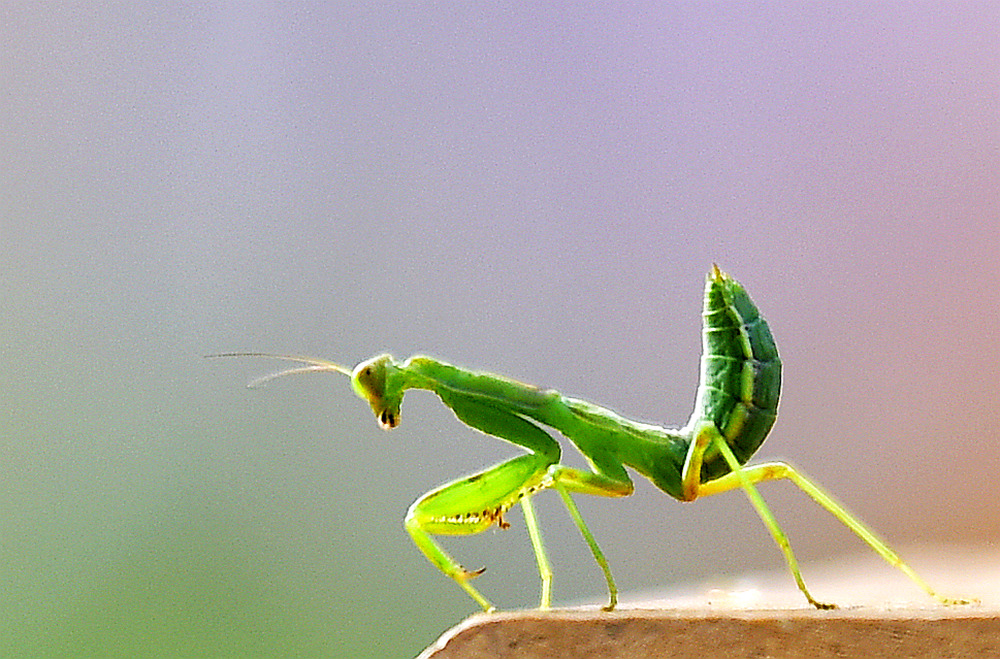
(313, 365)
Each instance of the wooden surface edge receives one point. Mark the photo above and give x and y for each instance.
(968, 631)
(765, 616)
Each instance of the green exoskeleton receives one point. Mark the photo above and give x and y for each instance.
(735, 407)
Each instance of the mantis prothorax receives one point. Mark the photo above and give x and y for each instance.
(736, 405)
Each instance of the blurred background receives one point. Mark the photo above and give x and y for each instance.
(535, 192)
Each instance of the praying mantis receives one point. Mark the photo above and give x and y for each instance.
(735, 408)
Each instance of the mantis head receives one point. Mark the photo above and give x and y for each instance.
(372, 380)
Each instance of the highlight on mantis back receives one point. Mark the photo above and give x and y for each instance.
(735, 406)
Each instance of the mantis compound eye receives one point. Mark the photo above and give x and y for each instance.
(368, 380)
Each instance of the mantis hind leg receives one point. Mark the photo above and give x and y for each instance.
(747, 477)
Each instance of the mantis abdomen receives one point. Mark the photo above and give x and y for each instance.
(740, 373)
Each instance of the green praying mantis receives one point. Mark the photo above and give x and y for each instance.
(736, 405)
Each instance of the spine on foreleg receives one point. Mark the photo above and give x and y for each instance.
(740, 372)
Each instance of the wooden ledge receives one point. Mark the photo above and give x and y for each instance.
(639, 633)
(726, 623)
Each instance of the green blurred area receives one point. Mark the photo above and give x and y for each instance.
(166, 539)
